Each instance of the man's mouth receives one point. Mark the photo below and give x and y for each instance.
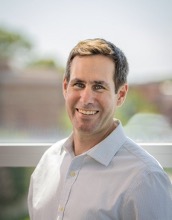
(87, 112)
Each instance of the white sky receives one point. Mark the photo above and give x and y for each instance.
(141, 28)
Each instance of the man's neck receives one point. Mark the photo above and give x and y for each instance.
(85, 141)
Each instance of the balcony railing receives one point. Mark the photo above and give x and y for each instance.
(28, 155)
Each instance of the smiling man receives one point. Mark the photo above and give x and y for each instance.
(98, 173)
(91, 99)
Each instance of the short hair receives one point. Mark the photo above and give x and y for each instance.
(100, 46)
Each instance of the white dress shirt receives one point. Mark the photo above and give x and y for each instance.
(116, 180)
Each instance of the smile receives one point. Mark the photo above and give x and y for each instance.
(87, 112)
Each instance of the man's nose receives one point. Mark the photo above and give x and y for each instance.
(87, 96)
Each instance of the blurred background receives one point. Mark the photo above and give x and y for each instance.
(36, 37)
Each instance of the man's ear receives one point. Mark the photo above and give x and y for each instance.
(121, 94)
(65, 84)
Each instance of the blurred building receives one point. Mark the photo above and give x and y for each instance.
(31, 103)
(158, 93)
(154, 126)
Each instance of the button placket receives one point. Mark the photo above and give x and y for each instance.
(71, 177)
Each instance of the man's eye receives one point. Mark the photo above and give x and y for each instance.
(97, 87)
(79, 85)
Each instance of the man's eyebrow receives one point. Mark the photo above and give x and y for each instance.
(77, 80)
(100, 82)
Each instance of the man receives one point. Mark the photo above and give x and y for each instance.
(98, 173)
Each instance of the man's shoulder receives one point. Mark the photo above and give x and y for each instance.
(51, 155)
(56, 147)
(141, 157)
(140, 166)
(50, 158)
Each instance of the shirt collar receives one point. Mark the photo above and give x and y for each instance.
(68, 145)
(104, 151)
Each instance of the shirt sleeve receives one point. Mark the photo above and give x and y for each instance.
(149, 198)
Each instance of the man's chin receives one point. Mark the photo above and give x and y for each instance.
(86, 129)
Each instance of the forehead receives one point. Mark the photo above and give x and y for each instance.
(94, 66)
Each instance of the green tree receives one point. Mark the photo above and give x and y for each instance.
(12, 44)
(46, 63)
(135, 103)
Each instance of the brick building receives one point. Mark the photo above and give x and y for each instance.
(159, 93)
(31, 103)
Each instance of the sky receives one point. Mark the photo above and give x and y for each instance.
(141, 28)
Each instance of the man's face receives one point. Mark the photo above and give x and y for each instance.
(90, 94)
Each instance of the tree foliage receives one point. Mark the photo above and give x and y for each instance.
(12, 44)
(46, 63)
(134, 103)
(15, 45)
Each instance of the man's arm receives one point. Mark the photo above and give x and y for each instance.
(150, 198)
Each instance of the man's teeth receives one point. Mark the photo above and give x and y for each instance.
(87, 112)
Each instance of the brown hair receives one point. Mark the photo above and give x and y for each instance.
(99, 46)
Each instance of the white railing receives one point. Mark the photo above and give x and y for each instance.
(28, 155)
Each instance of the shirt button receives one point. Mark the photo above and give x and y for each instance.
(61, 209)
(72, 173)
